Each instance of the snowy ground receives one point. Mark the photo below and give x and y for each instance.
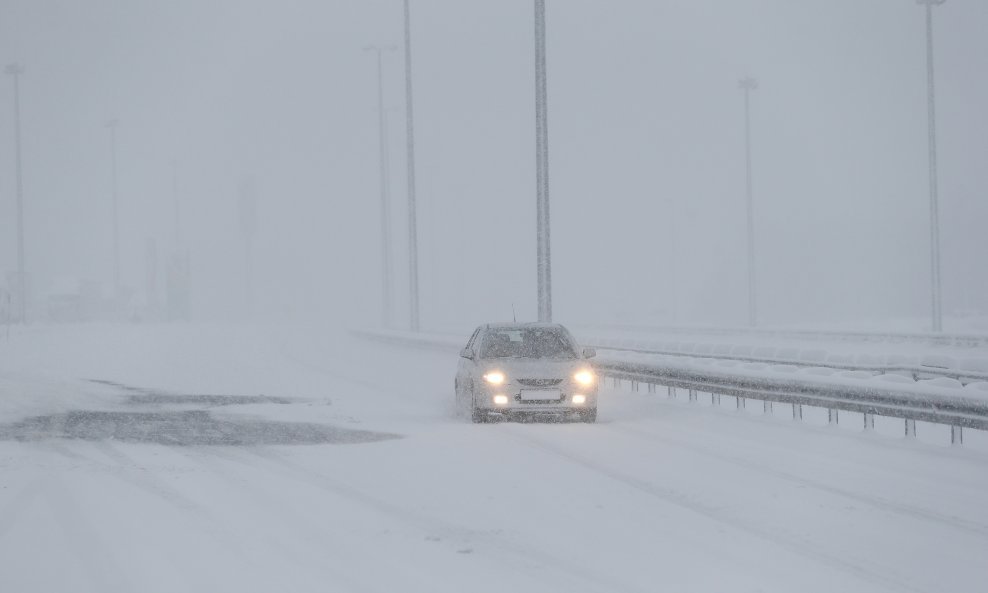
(351, 475)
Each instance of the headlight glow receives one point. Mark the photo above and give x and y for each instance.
(579, 399)
(584, 377)
(494, 377)
(500, 400)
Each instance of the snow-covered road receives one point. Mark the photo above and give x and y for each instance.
(397, 495)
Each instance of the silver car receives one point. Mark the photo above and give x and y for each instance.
(534, 369)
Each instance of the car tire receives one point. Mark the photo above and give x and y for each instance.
(458, 410)
(589, 416)
(479, 416)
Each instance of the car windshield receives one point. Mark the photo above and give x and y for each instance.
(527, 343)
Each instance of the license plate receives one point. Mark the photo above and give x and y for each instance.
(530, 394)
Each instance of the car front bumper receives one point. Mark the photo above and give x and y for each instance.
(516, 406)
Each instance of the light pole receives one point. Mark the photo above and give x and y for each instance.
(937, 319)
(112, 127)
(543, 254)
(673, 261)
(385, 169)
(248, 227)
(747, 85)
(413, 250)
(16, 70)
(178, 276)
(176, 205)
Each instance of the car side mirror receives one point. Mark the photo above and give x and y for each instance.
(589, 352)
(466, 353)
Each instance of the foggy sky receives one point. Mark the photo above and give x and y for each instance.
(646, 136)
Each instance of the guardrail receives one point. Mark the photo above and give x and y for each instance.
(917, 372)
(945, 339)
(910, 403)
(910, 406)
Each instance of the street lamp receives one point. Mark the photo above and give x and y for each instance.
(543, 254)
(413, 252)
(178, 277)
(385, 170)
(937, 320)
(248, 228)
(747, 85)
(16, 70)
(176, 205)
(112, 127)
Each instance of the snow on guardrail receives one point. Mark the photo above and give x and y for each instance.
(948, 339)
(940, 400)
(968, 370)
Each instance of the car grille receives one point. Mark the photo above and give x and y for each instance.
(540, 382)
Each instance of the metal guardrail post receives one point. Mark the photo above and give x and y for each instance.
(797, 412)
(910, 428)
(692, 393)
(767, 407)
(915, 372)
(615, 382)
(892, 337)
(956, 412)
(651, 387)
(714, 399)
(634, 385)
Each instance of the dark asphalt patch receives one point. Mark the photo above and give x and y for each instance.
(205, 400)
(120, 386)
(183, 428)
(144, 395)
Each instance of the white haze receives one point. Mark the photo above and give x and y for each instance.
(646, 152)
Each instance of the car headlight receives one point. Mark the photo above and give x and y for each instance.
(579, 399)
(494, 377)
(584, 377)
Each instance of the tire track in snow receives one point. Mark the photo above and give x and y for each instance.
(680, 499)
(530, 561)
(20, 502)
(125, 468)
(81, 537)
(877, 502)
(122, 469)
(268, 504)
(678, 406)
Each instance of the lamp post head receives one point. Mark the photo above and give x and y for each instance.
(748, 84)
(14, 69)
(930, 2)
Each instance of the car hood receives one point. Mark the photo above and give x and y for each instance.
(535, 368)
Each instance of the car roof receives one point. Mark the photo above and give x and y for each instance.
(523, 325)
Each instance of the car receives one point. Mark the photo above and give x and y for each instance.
(525, 369)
